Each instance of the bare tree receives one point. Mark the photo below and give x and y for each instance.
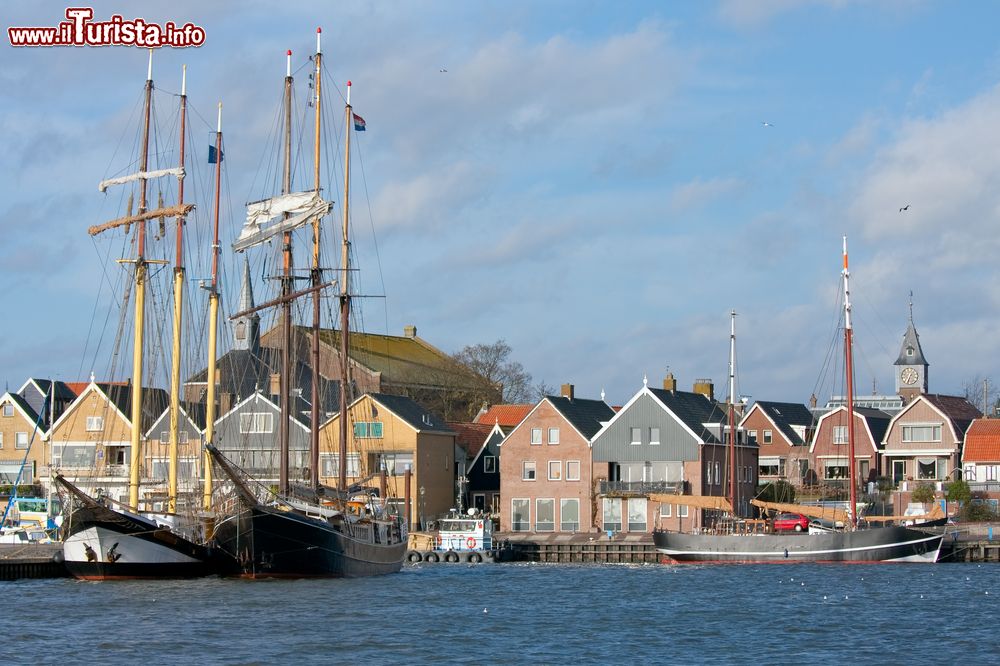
(982, 392)
(493, 363)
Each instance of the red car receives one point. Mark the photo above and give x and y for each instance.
(788, 522)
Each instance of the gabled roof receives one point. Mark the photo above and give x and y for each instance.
(29, 414)
(694, 410)
(411, 412)
(587, 416)
(43, 386)
(876, 423)
(472, 437)
(505, 415)
(911, 341)
(982, 441)
(956, 409)
(298, 407)
(194, 412)
(785, 415)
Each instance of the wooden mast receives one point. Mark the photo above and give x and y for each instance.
(284, 390)
(317, 279)
(732, 412)
(345, 299)
(135, 457)
(213, 326)
(849, 372)
(175, 368)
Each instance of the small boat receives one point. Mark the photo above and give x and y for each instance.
(856, 542)
(315, 531)
(458, 538)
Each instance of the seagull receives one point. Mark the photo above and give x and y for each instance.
(906, 207)
(442, 70)
(764, 123)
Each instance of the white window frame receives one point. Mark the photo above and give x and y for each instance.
(525, 469)
(570, 464)
(553, 439)
(558, 470)
(654, 436)
(840, 434)
(552, 503)
(95, 423)
(489, 464)
(8, 409)
(909, 428)
(256, 423)
(682, 511)
(768, 436)
(666, 510)
(527, 519)
(21, 440)
(718, 476)
(563, 503)
(635, 436)
(536, 436)
(1, 440)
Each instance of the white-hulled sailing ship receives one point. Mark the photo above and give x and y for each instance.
(103, 539)
(317, 531)
(854, 543)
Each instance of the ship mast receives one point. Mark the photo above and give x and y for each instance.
(732, 411)
(345, 299)
(175, 369)
(317, 278)
(213, 326)
(284, 390)
(849, 372)
(135, 457)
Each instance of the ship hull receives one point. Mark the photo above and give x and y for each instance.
(268, 542)
(882, 544)
(104, 544)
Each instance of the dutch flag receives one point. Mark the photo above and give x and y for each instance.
(359, 123)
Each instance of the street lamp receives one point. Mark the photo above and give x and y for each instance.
(421, 517)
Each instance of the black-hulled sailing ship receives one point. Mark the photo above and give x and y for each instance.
(853, 543)
(103, 539)
(312, 531)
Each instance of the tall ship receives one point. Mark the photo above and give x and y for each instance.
(293, 530)
(104, 538)
(857, 541)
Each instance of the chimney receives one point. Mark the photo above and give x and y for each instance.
(567, 391)
(410, 331)
(275, 384)
(704, 387)
(669, 383)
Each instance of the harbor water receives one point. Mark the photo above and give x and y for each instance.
(522, 613)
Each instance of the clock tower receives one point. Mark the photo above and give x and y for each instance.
(911, 366)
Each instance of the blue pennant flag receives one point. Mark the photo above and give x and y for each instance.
(215, 156)
(359, 123)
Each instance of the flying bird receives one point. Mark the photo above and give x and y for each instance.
(764, 123)
(906, 207)
(442, 70)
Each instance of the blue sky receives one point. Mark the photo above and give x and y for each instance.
(590, 181)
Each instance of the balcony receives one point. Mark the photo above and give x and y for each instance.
(637, 488)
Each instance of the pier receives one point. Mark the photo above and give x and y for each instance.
(32, 561)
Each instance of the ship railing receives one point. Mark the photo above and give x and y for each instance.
(637, 488)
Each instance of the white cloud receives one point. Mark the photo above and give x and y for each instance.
(700, 192)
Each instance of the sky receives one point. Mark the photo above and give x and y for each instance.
(596, 183)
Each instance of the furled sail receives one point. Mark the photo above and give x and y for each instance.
(141, 175)
(262, 224)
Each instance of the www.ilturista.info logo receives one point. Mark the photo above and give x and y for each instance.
(80, 30)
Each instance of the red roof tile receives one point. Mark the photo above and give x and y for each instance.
(504, 415)
(471, 436)
(982, 441)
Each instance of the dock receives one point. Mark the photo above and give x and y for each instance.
(574, 548)
(36, 560)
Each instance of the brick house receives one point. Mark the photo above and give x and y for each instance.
(924, 440)
(783, 432)
(829, 448)
(545, 466)
(20, 437)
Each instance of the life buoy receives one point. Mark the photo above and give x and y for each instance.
(439, 539)
(471, 542)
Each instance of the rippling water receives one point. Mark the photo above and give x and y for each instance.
(522, 613)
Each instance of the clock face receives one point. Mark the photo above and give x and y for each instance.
(908, 376)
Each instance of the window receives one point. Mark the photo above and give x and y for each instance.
(528, 470)
(520, 518)
(991, 472)
(1, 440)
(927, 432)
(95, 423)
(256, 422)
(396, 464)
(751, 436)
(654, 436)
(970, 472)
(635, 436)
(21, 440)
(553, 435)
(8, 409)
(74, 456)
(490, 464)
(637, 514)
(927, 468)
(840, 434)
(612, 514)
(182, 436)
(367, 429)
(545, 515)
(768, 436)
(682, 511)
(330, 464)
(555, 470)
(666, 510)
(572, 470)
(536, 436)
(835, 469)
(161, 467)
(569, 515)
(718, 477)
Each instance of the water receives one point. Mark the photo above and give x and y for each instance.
(522, 614)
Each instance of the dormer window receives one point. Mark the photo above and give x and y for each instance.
(241, 331)
(909, 351)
